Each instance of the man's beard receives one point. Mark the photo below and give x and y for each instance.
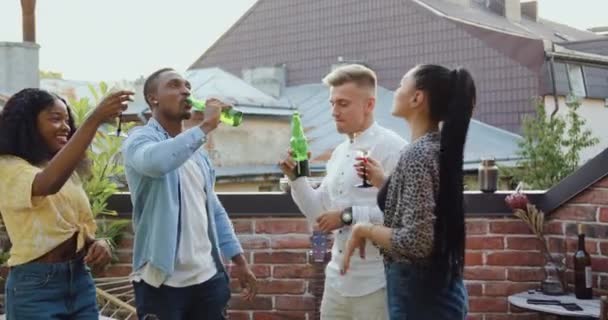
(186, 115)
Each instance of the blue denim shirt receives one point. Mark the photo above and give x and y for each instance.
(151, 160)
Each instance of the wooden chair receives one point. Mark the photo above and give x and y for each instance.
(115, 298)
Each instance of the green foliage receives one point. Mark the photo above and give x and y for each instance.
(50, 75)
(551, 146)
(105, 166)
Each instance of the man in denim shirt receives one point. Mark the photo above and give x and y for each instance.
(180, 225)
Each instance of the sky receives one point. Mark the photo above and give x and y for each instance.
(124, 39)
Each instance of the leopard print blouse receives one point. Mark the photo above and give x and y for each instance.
(409, 207)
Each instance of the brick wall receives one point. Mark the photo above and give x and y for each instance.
(502, 258)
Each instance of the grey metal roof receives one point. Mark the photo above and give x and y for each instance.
(505, 58)
(541, 29)
(312, 101)
(209, 82)
(596, 46)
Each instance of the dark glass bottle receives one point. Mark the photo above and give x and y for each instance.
(583, 278)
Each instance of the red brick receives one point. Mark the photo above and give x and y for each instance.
(590, 246)
(598, 264)
(603, 282)
(294, 303)
(243, 226)
(523, 243)
(473, 258)
(258, 303)
(254, 242)
(293, 271)
(124, 256)
(281, 287)
(237, 315)
(602, 183)
(260, 271)
(556, 245)
(279, 257)
(475, 317)
(593, 231)
(291, 242)
(592, 196)
(125, 243)
(484, 242)
(279, 315)
(515, 259)
(554, 227)
(509, 227)
(282, 226)
(505, 289)
(235, 286)
(603, 215)
(474, 289)
(484, 273)
(604, 248)
(576, 213)
(478, 304)
(475, 226)
(522, 275)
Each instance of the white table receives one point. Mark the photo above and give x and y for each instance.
(591, 308)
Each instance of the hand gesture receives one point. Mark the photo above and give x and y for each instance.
(98, 254)
(247, 281)
(357, 240)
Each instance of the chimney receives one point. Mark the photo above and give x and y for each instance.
(28, 14)
(510, 9)
(513, 10)
(530, 10)
(270, 80)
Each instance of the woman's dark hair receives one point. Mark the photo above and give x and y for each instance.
(19, 134)
(451, 96)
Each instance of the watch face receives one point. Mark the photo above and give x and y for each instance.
(347, 217)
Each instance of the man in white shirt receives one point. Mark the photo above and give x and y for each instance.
(338, 203)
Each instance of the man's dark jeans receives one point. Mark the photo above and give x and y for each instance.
(207, 300)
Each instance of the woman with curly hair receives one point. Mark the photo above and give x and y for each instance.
(45, 208)
(423, 235)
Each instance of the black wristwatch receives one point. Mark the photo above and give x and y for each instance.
(347, 216)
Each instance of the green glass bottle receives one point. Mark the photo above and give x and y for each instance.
(231, 117)
(299, 146)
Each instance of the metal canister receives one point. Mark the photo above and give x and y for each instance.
(488, 175)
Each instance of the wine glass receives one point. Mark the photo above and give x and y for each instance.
(363, 153)
(119, 86)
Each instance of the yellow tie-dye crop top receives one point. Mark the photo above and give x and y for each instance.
(36, 225)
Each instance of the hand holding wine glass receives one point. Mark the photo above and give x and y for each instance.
(362, 155)
(370, 170)
(124, 86)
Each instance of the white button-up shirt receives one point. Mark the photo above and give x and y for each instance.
(338, 191)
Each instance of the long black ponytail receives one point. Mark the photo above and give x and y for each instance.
(452, 96)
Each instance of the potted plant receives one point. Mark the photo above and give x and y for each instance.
(106, 169)
(554, 282)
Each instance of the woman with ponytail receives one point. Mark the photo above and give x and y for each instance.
(423, 236)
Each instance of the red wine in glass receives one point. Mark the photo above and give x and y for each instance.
(363, 154)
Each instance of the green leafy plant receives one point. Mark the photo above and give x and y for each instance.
(100, 182)
(551, 146)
